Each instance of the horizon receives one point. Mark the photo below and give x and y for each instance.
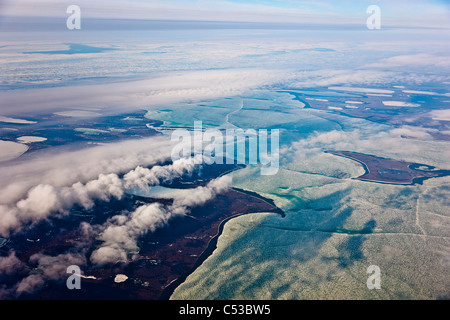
(416, 13)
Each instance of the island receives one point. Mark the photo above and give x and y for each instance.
(383, 170)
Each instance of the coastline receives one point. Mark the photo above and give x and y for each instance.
(212, 244)
(409, 168)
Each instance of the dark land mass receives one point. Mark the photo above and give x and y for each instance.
(392, 171)
(166, 256)
(61, 131)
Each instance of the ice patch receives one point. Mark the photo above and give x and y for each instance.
(30, 139)
(11, 150)
(363, 90)
(90, 131)
(18, 121)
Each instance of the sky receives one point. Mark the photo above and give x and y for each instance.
(430, 13)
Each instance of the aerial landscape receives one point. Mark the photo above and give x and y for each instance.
(224, 150)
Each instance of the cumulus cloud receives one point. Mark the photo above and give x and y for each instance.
(43, 269)
(44, 200)
(61, 169)
(137, 94)
(442, 115)
(182, 10)
(121, 233)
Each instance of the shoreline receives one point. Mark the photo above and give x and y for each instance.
(212, 244)
(409, 168)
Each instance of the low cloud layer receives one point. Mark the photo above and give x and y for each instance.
(53, 268)
(44, 200)
(61, 169)
(122, 232)
(405, 143)
(173, 87)
(395, 13)
(414, 60)
(46, 268)
(137, 94)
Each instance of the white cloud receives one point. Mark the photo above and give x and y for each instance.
(404, 143)
(121, 232)
(14, 120)
(413, 132)
(119, 235)
(173, 87)
(44, 200)
(421, 92)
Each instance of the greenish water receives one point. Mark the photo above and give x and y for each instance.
(335, 227)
